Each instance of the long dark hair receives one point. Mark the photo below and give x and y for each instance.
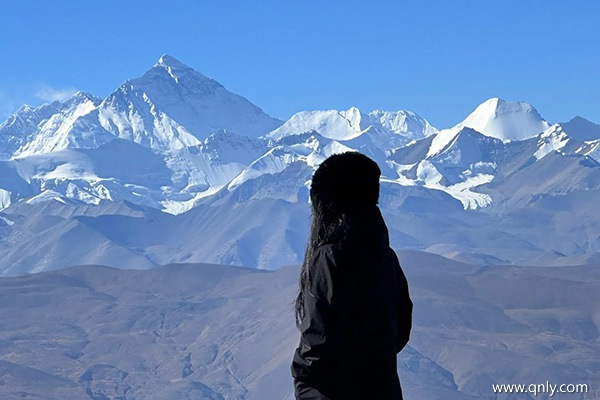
(325, 228)
(342, 185)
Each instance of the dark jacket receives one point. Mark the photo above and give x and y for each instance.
(357, 317)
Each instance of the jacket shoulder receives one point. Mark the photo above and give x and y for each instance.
(323, 270)
(329, 252)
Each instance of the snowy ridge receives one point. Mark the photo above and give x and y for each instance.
(173, 103)
(47, 128)
(392, 129)
(591, 149)
(505, 120)
(177, 142)
(172, 110)
(178, 114)
(172, 106)
(457, 161)
(64, 129)
(554, 139)
(403, 122)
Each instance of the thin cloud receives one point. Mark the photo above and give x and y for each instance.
(50, 94)
(9, 103)
(15, 96)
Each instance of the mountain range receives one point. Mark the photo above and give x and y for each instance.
(172, 167)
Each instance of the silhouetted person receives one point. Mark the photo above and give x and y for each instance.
(353, 309)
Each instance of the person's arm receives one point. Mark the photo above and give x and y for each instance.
(324, 323)
(405, 307)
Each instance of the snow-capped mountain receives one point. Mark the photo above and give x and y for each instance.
(205, 136)
(173, 111)
(505, 120)
(49, 128)
(465, 160)
(384, 129)
(174, 141)
(172, 106)
(587, 134)
(67, 129)
(121, 169)
(460, 160)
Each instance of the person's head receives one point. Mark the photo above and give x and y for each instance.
(345, 183)
(342, 186)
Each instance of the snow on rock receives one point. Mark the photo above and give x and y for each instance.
(591, 149)
(177, 142)
(4, 199)
(330, 124)
(456, 161)
(130, 114)
(403, 122)
(49, 127)
(442, 140)
(553, 139)
(172, 100)
(18, 129)
(385, 129)
(60, 131)
(505, 120)
(273, 162)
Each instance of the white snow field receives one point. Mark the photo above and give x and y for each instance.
(199, 331)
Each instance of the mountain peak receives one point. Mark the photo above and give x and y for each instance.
(582, 129)
(496, 107)
(24, 108)
(187, 103)
(170, 71)
(577, 118)
(176, 70)
(83, 97)
(501, 106)
(505, 120)
(170, 62)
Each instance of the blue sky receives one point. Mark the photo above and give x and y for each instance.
(437, 58)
